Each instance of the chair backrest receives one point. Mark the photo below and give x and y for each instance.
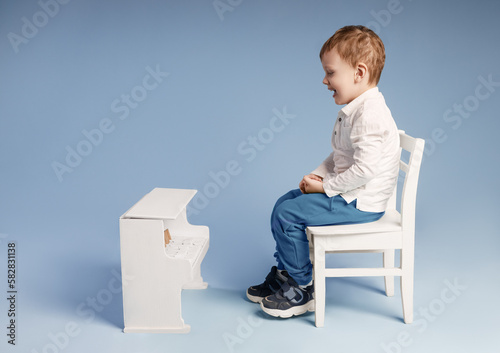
(411, 169)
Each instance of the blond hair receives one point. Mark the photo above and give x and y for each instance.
(356, 44)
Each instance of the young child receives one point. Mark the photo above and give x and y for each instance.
(354, 182)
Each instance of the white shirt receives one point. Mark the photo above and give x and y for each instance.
(364, 164)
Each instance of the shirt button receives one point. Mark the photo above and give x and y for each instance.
(340, 119)
(335, 132)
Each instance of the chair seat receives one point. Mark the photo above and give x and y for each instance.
(385, 233)
(390, 222)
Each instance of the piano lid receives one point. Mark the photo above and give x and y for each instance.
(161, 203)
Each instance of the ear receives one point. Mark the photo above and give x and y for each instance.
(361, 72)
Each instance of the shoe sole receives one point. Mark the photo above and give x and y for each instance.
(293, 311)
(255, 299)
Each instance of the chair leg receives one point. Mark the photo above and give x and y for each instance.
(388, 259)
(319, 283)
(407, 278)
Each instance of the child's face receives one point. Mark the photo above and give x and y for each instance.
(340, 77)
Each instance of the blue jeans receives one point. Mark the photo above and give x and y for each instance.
(295, 211)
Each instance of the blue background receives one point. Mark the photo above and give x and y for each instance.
(228, 74)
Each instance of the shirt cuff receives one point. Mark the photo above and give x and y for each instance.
(348, 196)
(328, 191)
(320, 171)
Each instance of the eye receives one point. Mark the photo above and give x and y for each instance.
(330, 73)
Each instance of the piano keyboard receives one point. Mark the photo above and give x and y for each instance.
(185, 247)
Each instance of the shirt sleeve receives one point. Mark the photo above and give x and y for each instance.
(367, 140)
(325, 167)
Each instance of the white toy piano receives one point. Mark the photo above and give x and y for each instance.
(162, 254)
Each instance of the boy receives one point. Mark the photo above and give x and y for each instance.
(354, 182)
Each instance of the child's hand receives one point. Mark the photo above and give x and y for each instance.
(311, 183)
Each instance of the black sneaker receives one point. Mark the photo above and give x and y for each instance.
(271, 285)
(290, 300)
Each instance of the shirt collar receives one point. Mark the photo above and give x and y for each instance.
(351, 107)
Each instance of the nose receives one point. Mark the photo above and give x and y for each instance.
(325, 81)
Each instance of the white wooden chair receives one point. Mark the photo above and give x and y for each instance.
(394, 230)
